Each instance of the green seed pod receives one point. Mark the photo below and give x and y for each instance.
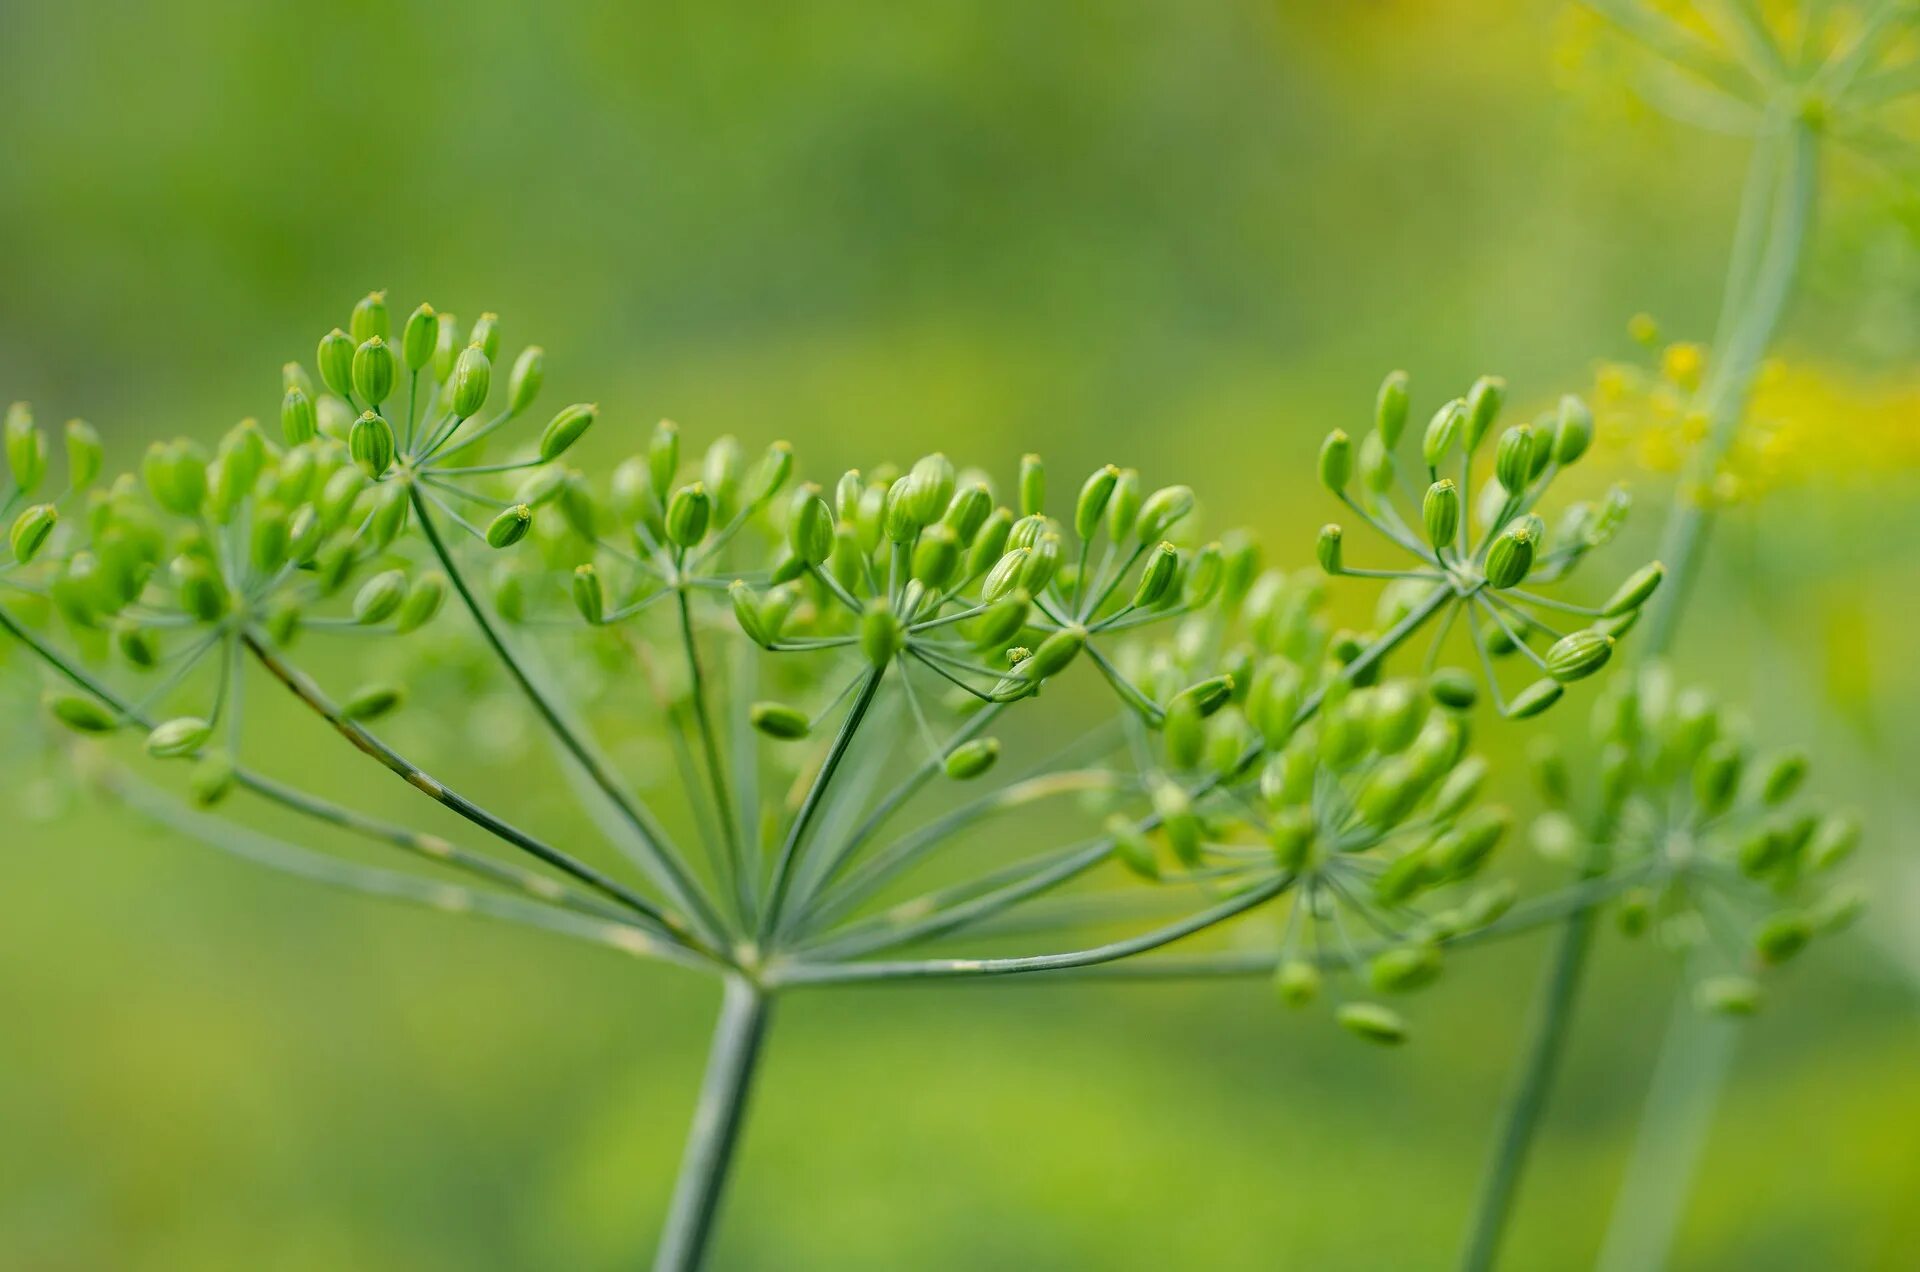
(1055, 652)
(1633, 593)
(486, 335)
(1033, 486)
(1611, 516)
(1573, 434)
(1095, 492)
(881, 636)
(746, 612)
(1488, 904)
(967, 511)
(936, 558)
(1005, 575)
(1469, 844)
(990, 542)
(1578, 655)
(379, 597)
(1156, 577)
(1484, 400)
(1336, 461)
(1461, 787)
(510, 596)
(778, 720)
(1441, 512)
(1404, 969)
(424, 599)
(1376, 464)
(1206, 696)
(510, 526)
(85, 455)
(1838, 910)
(388, 516)
(26, 447)
(589, 594)
(1132, 849)
(1510, 559)
(1027, 531)
(1185, 736)
(1390, 409)
(566, 428)
(1454, 688)
(472, 377)
(1274, 700)
(1327, 550)
(295, 476)
(1177, 819)
(370, 702)
(1003, 620)
(524, 381)
(370, 319)
(335, 360)
(1292, 833)
(1405, 876)
(1204, 575)
(305, 533)
(81, 714)
(929, 487)
(1716, 777)
(267, 544)
(1781, 937)
(970, 759)
(446, 347)
(212, 778)
(31, 529)
(1534, 699)
(1123, 509)
(374, 371)
(1782, 777)
(1513, 459)
(900, 517)
(201, 592)
(418, 337)
(1398, 710)
(137, 645)
(810, 531)
(181, 736)
(1296, 983)
(1833, 841)
(688, 514)
(298, 424)
(663, 459)
(1164, 509)
(1443, 431)
(770, 475)
(1729, 995)
(1373, 1023)
(1548, 760)
(1390, 794)
(371, 444)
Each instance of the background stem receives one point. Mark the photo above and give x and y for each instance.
(717, 1118)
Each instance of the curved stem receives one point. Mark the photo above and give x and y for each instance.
(731, 1063)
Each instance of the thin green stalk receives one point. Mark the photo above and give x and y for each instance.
(731, 1063)
(796, 833)
(735, 855)
(1778, 197)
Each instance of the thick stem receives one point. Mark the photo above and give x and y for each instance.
(717, 1119)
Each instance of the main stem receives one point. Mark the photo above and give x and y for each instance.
(1774, 218)
(717, 1119)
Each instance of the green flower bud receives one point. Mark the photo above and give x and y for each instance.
(201, 592)
(1833, 841)
(370, 702)
(1454, 688)
(374, 371)
(212, 778)
(1177, 819)
(1123, 509)
(1443, 431)
(388, 517)
(1578, 655)
(1464, 849)
(1376, 464)
(1003, 620)
(181, 736)
(778, 720)
(1164, 509)
(510, 526)
(524, 381)
(418, 337)
(1632, 594)
(881, 636)
(1398, 710)
(371, 444)
(1574, 432)
(967, 512)
(1156, 577)
(1716, 777)
(1204, 575)
(1206, 696)
(929, 488)
(566, 428)
(298, 423)
(1132, 848)
(338, 495)
(267, 544)
(305, 532)
(137, 646)
(1484, 401)
(1327, 550)
(1274, 700)
(770, 474)
(1441, 511)
(1488, 904)
(1510, 559)
(446, 347)
(1513, 459)
(84, 454)
(1390, 409)
(335, 360)
(1055, 652)
(1838, 910)
(1185, 736)
(510, 596)
(663, 459)
(1390, 794)
(81, 714)
(1095, 492)
(970, 759)
(1534, 699)
(424, 599)
(1461, 787)
(1404, 969)
(1027, 531)
(1005, 575)
(1781, 937)
(486, 335)
(26, 447)
(901, 512)
(936, 558)
(472, 377)
(989, 543)
(688, 514)
(810, 531)
(1728, 995)
(1296, 982)
(31, 530)
(379, 597)
(1373, 1023)
(1783, 776)
(589, 594)
(1033, 486)
(746, 612)
(370, 318)
(1336, 461)
(1292, 832)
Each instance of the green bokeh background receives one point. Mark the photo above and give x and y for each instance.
(1185, 237)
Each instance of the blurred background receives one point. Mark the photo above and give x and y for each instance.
(1188, 238)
